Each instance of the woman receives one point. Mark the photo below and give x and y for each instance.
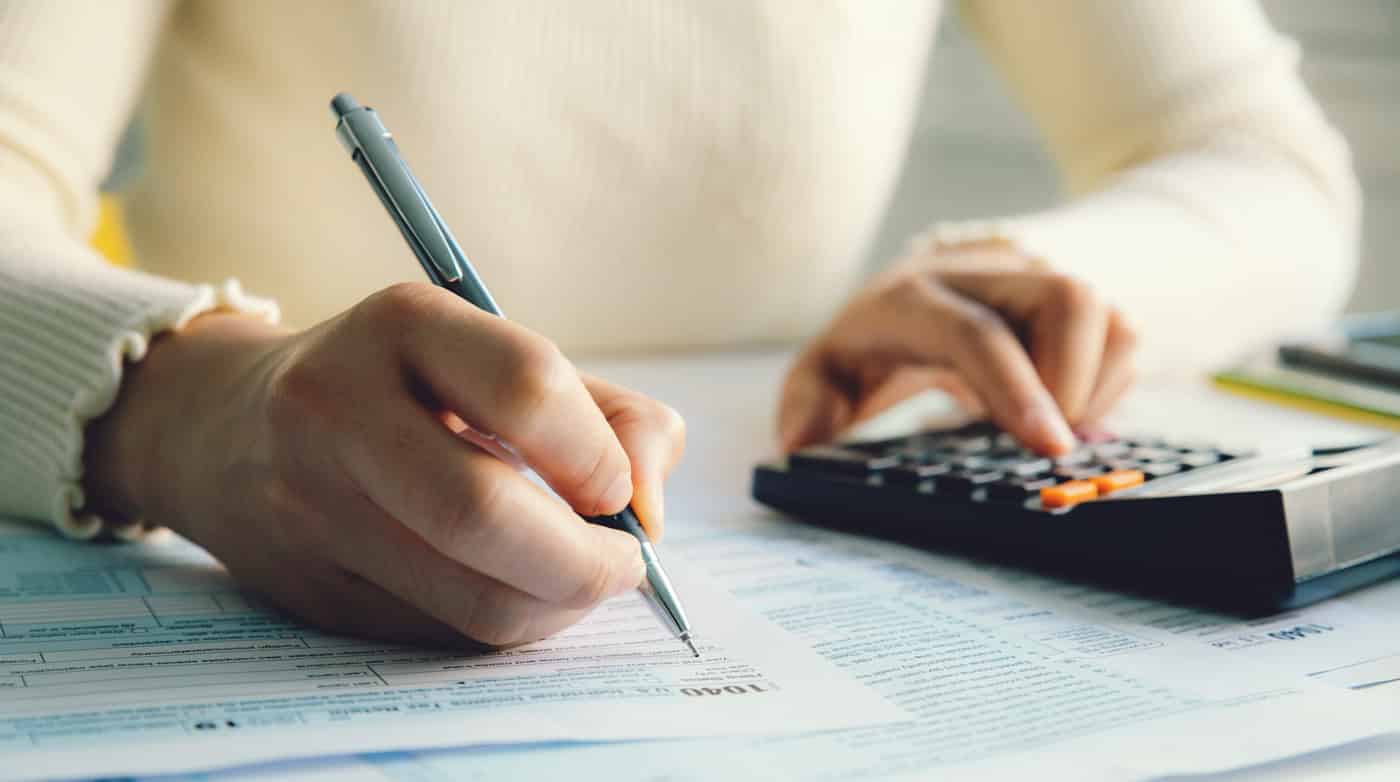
(627, 176)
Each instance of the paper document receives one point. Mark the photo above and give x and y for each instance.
(1005, 673)
(119, 660)
(1332, 640)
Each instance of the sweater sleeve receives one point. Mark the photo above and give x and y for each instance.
(69, 75)
(1209, 197)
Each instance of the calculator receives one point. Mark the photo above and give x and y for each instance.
(1250, 532)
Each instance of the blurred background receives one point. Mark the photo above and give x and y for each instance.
(975, 155)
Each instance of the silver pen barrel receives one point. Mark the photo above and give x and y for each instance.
(658, 586)
(665, 595)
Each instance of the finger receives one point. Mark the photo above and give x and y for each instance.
(997, 367)
(919, 322)
(653, 435)
(813, 408)
(1117, 373)
(479, 607)
(1067, 340)
(301, 580)
(1068, 324)
(504, 380)
(343, 603)
(480, 512)
(909, 381)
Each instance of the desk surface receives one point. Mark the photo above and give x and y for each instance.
(712, 482)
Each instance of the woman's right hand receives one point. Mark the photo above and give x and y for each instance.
(329, 469)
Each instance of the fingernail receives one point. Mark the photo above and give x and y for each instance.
(1046, 421)
(617, 495)
(648, 503)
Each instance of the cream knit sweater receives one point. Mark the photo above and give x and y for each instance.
(628, 175)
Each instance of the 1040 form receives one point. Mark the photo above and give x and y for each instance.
(118, 660)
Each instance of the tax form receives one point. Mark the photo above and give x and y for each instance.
(140, 659)
(1005, 674)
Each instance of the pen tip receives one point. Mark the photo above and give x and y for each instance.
(691, 644)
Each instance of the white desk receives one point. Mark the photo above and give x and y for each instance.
(730, 401)
(740, 390)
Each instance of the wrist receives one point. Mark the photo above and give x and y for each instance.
(135, 454)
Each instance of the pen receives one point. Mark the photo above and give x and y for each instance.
(373, 149)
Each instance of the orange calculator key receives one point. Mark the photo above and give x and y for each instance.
(1067, 494)
(1118, 480)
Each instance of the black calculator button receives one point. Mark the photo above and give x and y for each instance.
(914, 473)
(962, 484)
(1018, 489)
(842, 461)
(911, 454)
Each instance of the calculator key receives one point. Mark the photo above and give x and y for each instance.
(971, 463)
(1118, 480)
(1145, 442)
(911, 454)
(1153, 454)
(1066, 494)
(1113, 450)
(1006, 441)
(1077, 456)
(1198, 459)
(1018, 489)
(842, 461)
(1159, 469)
(1027, 467)
(972, 444)
(1082, 473)
(962, 484)
(914, 473)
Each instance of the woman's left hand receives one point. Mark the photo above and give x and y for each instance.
(1039, 352)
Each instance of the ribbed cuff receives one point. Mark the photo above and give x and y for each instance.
(66, 333)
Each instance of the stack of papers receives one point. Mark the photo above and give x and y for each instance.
(1266, 377)
(823, 656)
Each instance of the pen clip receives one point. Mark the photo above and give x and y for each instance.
(373, 148)
(453, 270)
